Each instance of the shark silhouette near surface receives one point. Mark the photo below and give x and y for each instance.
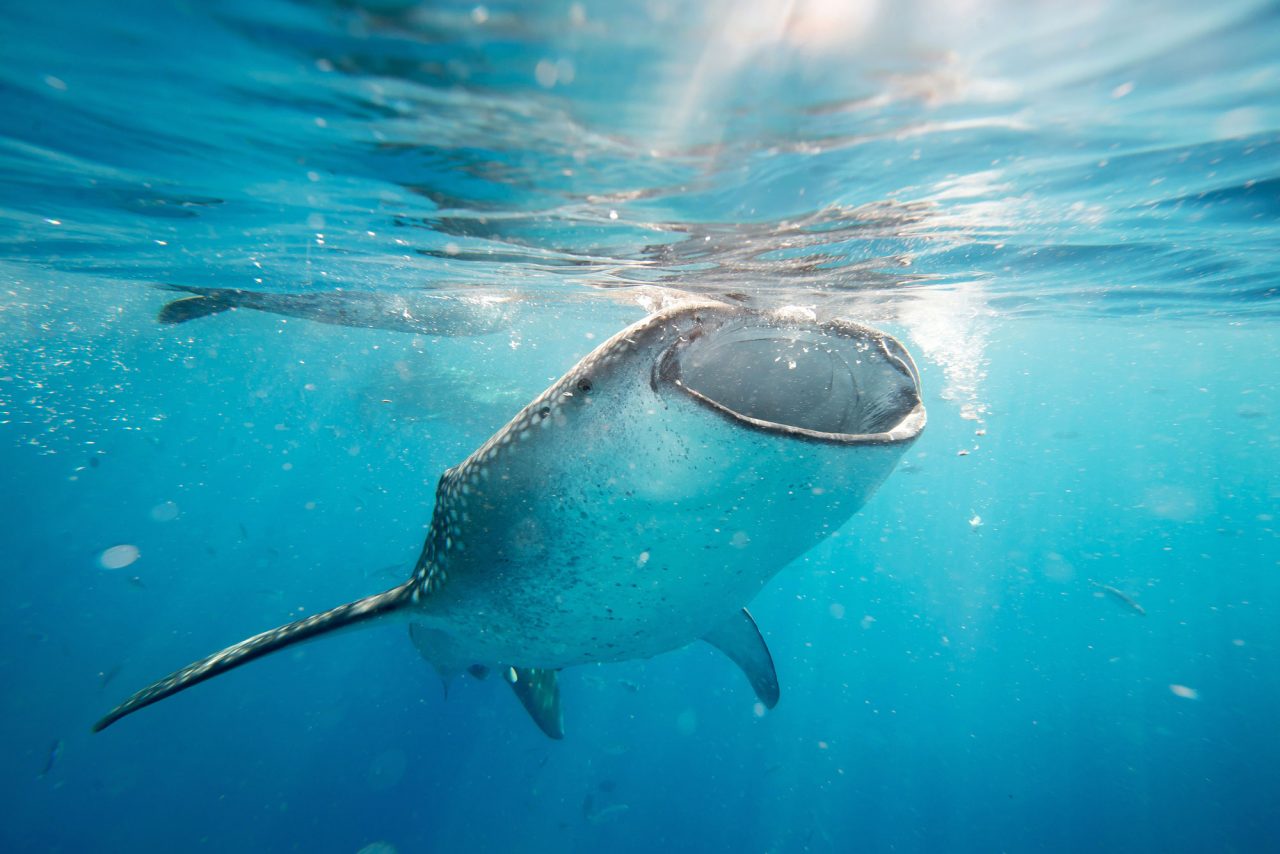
(422, 311)
(639, 503)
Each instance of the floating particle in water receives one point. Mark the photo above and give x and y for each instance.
(387, 769)
(118, 557)
(867, 621)
(1174, 503)
(165, 511)
(1184, 692)
(1057, 568)
(546, 73)
(976, 521)
(687, 722)
(836, 610)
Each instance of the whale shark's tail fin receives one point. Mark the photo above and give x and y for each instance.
(257, 646)
(189, 308)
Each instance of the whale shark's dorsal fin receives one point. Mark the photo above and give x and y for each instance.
(259, 645)
(739, 638)
(539, 691)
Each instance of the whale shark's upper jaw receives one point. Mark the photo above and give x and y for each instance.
(834, 381)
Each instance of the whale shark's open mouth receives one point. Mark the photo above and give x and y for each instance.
(837, 381)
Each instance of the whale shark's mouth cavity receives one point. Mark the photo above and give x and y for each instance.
(838, 381)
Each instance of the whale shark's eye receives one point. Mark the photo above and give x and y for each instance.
(584, 384)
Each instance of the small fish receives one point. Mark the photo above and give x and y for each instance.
(390, 571)
(104, 679)
(55, 750)
(1122, 596)
(608, 813)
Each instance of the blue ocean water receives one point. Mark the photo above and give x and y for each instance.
(1056, 627)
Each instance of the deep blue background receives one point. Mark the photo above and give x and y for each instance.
(1086, 273)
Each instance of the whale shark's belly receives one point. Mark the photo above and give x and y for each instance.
(620, 576)
(627, 534)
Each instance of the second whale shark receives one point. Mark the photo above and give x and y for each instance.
(639, 503)
(419, 311)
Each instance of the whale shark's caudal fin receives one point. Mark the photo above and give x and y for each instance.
(189, 308)
(257, 646)
(739, 638)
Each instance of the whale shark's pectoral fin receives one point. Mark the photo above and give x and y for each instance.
(430, 643)
(257, 646)
(738, 638)
(539, 691)
(189, 308)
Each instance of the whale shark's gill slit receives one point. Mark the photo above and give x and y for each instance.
(257, 646)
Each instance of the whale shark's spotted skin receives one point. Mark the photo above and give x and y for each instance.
(641, 501)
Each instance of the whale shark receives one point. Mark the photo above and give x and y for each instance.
(639, 503)
(419, 311)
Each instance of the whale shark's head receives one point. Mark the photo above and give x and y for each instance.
(787, 373)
